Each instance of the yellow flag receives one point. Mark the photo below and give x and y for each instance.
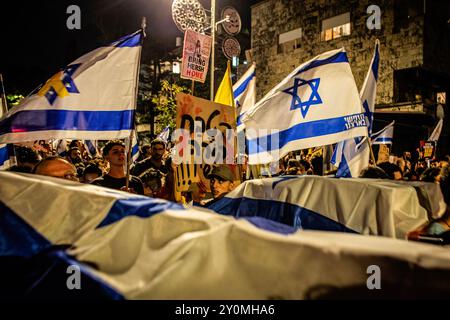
(224, 94)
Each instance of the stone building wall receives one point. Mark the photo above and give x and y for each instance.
(401, 47)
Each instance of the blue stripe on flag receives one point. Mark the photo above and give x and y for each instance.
(135, 149)
(139, 206)
(343, 170)
(282, 212)
(269, 225)
(129, 41)
(383, 140)
(4, 155)
(337, 58)
(38, 120)
(301, 131)
(243, 86)
(239, 118)
(376, 61)
(17, 238)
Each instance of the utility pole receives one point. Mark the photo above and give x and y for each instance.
(213, 45)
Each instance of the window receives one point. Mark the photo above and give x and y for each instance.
(289, 41)
(335, 27)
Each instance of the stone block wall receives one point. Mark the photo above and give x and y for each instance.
(401, 47)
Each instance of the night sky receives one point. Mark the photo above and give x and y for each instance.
(35, 42)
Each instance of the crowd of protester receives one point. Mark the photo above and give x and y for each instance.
(153, 173)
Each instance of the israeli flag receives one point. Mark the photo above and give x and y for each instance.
(5, 156)
(385, 135)
(244, 92)
(317, 104)
(126, 246)
(93, 97)
(91, 147)
(436, 132)
(365, 206)
(135, 148)
(164, 135)
(61, 147)
(352, 156)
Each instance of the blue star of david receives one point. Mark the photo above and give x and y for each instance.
(314, 99)
(67, 82)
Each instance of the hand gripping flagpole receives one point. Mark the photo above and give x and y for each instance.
(143, 26)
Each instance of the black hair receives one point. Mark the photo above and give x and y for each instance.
(158, 141)
(73, 143)
(110, 144)
(26, 154)
(373, 172)
(92, 168)
(430, 174)
(390, 169)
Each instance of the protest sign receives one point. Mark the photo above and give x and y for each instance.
(196, 51)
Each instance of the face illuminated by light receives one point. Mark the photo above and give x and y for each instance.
(219, 187)
(116, 156)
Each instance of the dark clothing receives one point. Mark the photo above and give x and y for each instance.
(210, 202)
(117, 183)
(146, 164)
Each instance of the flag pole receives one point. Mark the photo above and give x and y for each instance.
(3, 97)
(143, 26)
(371, 151)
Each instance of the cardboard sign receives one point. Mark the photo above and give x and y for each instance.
(383, 153)
(196, 51)
(210, 115)
(428, 149)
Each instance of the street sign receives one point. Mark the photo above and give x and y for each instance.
(234, 25)
(188, 14)
(231, 47)
(196, 52)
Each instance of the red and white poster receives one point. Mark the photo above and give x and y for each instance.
(196, 52)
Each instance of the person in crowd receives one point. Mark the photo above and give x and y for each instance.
(57, 167)
(84, 153)
(317, 165)
(155, 161)
(90, 173)
(221, 182)
(26, 158)
(101, 163)
(169, 188)
(195, 194)
(392, 170)
(373, 172)
(431, 175)
(294, 168)
(74, 155)
(443, 161)
(146, 151)
(307, 165)
(154, 182)
(114, 153)
(445, 184)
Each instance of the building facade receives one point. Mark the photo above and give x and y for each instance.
(414, 69)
